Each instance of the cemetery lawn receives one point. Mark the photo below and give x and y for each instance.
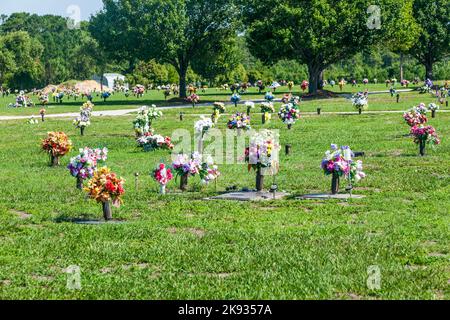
(180, 246)
(378, 102)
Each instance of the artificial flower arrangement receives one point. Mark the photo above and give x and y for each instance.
(239, 121)
(57, 144)
(106, 187)
(416, 115)
(338, 163)
(85, 117)
(193, 99)
(404, 83)
(105, 95)
(85, 164)
(365, 81)
(43, 99)
(290, 85)
(22, 101)
(392, 91)
(250, 105)
(304, 85)
(60, 96)
(42, 113)
(139, 90)
(201, 127)
(286, 98)
(162, 175)
(195, 164)
(424, 135)
(289, 113)
(235, 98)
(267, 109)
(261, 153)
(269, 96)
(360, 101)
(332, 83)
(218, 108)
(150, 142)
(32, 120)
(342, 83)
(144, 119)
(433, 108)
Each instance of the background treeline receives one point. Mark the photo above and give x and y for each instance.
(39, 50)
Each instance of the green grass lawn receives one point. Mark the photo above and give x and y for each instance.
(181, 246)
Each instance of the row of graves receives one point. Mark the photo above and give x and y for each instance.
(260, 155)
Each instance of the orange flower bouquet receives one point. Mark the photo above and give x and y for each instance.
(107, 188)
(57, 144)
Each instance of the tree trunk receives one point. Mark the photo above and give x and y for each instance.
(429, 71)
(401, 66)
(314, 78)
(182, 75)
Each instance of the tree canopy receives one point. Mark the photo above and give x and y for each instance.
(178, 32)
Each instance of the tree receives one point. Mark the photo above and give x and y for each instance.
(26, 53)
(7, 63)
(59, 43)
(433, 43)
(317, 33)
(149, 72)
(176, 32)
(222, 60)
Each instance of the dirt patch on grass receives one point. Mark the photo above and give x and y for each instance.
(21, 214)
(42, 278)
(195, 231)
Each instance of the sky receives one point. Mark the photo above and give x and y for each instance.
(67, 8)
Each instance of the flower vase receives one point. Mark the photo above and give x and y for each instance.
(289, 126)
(259, 180)
(200, 145)
(433, 113)
(248, 110)
(162, 189)
(318, 111)
(79, 183)
(107, 211)
(335, 183)
(82, 130)
(360, 110)
(54, 160)
(422, 147)
(42, 117)
(184, 181)
(263, 119)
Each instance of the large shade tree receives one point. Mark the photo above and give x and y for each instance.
(317, 33)
(59, 42)
(22, 54)
(177, 32)
(433, 43)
